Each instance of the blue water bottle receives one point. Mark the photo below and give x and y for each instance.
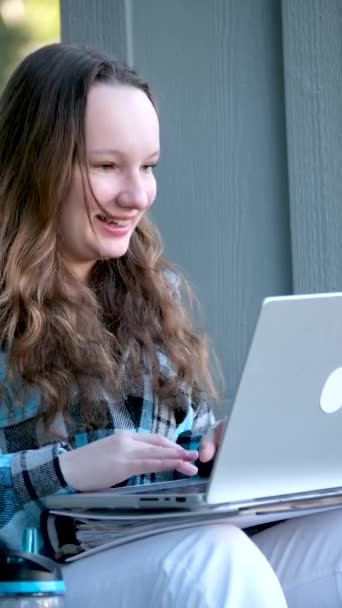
(28, 580)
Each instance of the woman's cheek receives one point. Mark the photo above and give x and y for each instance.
(104, 189)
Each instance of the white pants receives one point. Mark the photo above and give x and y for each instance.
(306, 554)
(215, 566)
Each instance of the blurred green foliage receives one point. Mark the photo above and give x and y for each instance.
(24, 26)
(12, 39)
(43, 20)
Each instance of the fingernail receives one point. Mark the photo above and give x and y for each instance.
(192, 454)
(192, 469)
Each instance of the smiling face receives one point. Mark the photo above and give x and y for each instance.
(122, 146)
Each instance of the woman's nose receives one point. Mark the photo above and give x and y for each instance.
(133, 196)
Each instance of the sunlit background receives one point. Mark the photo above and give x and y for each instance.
(24, 26)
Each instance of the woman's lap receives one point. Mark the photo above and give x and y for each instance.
(306, 554)
(204, 567)
(209, 565)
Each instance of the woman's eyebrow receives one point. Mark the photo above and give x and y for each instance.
(119, 153)
(155, 154)
(104, 151)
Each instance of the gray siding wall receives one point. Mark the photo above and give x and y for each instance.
(241, 218)
(312, 33)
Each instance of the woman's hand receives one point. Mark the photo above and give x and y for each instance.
(107, 462)
(211, 441)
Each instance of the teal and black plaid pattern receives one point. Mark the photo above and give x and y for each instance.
(29, 464)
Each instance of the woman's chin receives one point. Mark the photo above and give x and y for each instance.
(110, 253)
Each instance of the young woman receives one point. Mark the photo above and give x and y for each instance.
(100, 369)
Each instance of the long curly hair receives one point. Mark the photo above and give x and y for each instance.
(53, 328)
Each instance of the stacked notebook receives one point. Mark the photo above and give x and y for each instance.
(70, 534)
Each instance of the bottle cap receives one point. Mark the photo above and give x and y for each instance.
(27, 573)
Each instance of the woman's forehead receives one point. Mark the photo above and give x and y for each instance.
(120, 118)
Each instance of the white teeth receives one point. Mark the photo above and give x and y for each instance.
(116, 222)
(121, 222)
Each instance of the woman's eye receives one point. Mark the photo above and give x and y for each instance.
(105, 166)
(148, 168)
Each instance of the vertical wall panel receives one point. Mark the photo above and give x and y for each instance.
(102, 24)
(222, 206)
(312, 31)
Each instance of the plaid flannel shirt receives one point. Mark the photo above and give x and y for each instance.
(29, 464)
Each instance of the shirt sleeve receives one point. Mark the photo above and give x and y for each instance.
(202, 420)
(204, 417)
(28, 476)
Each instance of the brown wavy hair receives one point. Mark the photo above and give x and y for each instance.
(55, 329)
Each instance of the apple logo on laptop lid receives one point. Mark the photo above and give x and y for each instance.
(331, 397)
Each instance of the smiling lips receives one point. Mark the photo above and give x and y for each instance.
(115, 227)
(115, 221)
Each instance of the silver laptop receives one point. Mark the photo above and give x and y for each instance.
(283, 440)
